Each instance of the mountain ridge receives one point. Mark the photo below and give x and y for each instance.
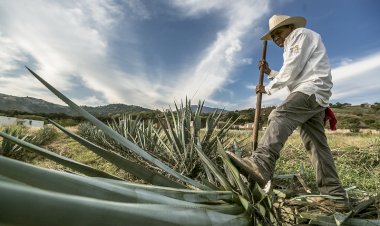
(9, 103)
(31, 105)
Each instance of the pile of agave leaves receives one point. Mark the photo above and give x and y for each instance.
(31, 195)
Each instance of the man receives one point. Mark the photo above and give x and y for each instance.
(307, 74)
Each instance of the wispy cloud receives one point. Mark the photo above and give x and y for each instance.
(69, 41)
(60, 39)
(357, 81)
(213, 70)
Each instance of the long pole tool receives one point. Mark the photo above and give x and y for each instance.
(259, 97)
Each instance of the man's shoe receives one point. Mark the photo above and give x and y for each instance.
(249, 169)
(341, 204)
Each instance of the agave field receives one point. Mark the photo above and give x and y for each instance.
(176, 173)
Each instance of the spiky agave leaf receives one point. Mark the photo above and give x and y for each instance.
(123, 163)
(80, 167)
(233, 171)
(221, 134)
(61, 192)
(195, 196)
(64, 209)
(67, 183)
(255, 201)
(7, 179)
(181, 137)
(197, 123)
(263, 206)
(119, 138)
(218, 174)
(138, 131)
(8, 147)
(172, 136)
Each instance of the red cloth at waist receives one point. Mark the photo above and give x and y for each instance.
(330, 116)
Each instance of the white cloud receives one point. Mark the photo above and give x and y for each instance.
(67, 41)
(358, 81)
(195, 8)
(26, 85)
(218, 61)
(55, 36)
(10, 55)
(63, 40)
(88, 101)
(345, 61)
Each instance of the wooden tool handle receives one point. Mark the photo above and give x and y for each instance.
(258, 100)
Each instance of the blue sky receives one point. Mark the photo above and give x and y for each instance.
(154, 52)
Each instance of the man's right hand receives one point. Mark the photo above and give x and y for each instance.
(264, 65)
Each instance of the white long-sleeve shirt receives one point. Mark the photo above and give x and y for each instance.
(306, 67)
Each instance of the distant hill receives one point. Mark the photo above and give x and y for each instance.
(32, 105)
(113, 109)
(207, 109)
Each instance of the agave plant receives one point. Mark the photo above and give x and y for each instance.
(42, 136)
(175, 145)
(7, 148)
(143, 133)
(98, 198)
(182, 138)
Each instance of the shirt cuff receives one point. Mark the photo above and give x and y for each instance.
(267, 90)
(272, 74)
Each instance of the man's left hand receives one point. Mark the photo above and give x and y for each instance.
(260, 89)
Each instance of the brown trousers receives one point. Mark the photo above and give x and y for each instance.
(301, 110)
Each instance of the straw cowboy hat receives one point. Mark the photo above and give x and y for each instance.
(277, 21)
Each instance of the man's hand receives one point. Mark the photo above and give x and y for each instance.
(263, 64)
(260, 89)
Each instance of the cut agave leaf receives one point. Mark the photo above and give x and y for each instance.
(80, 167)
(68, 183)
(52, 208)
(194, 196)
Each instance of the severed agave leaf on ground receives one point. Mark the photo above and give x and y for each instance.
(79, 197)
(77, 210)
(195, 196)
(80, 167)
(100, 189)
